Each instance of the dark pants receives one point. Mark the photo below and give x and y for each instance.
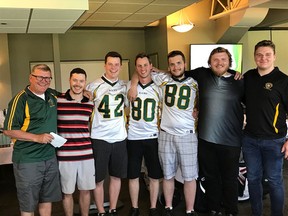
(265, 156)
(219, 164)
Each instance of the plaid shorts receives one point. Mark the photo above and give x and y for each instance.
(179, 151)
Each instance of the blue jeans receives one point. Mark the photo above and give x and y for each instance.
(264, 157)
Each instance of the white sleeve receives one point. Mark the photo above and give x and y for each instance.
(126, 101)
(160, 78)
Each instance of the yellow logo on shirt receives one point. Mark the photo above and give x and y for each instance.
(51, 103)
(268, 86)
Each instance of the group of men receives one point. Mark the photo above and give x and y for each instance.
(213, 138)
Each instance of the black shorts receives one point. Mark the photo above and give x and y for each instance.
(111, 157)
(137, 149)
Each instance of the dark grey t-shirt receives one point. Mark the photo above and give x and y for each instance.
(220, 109)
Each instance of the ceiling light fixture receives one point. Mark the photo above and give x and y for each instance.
(182, 26)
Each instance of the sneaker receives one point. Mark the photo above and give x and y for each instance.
(215, 213)
(102, 214)
(153, 212)
(168, 212)
(113, 212)
(192, 213)
(134, 212)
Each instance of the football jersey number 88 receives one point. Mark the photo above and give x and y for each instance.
(183, 99)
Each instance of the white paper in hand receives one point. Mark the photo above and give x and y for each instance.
(58, 141)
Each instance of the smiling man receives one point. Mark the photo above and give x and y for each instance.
(220, 123)
(108, 131)
(219, 128)
(32, 115)
(264, 143)
(76, 161)
(142, 135)
(177, 138)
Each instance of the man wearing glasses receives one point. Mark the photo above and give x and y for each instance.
(32, 115)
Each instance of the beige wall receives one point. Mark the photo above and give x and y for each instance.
(279, 37)
(203, 32)
(94, 44)
(156, 42)
(5, 80)
(74, 45)
(24, 48)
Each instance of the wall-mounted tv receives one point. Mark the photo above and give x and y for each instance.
(199, 54)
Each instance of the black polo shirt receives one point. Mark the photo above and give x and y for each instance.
(220, 108)
(266, 99)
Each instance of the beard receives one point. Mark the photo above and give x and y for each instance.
(178, 75)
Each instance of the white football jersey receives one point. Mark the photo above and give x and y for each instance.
(144, 112)
(108, 122)
(179, 99)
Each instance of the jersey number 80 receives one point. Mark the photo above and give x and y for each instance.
(140, 108)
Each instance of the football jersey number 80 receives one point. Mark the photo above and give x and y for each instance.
(143, 107)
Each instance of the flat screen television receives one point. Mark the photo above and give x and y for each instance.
(199, 54)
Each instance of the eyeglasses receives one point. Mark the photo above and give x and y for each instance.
(41, 78)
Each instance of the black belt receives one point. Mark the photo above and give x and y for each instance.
(191, 131)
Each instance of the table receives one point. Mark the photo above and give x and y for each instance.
(6, 155)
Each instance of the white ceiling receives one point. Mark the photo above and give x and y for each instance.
(101, 13)
(128, 13)
(22, 17)
(26, 20)
(34, 16)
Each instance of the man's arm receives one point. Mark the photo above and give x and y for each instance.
(285, 150)
(237, 74)
(26, 136)
(132, 92)
(88, 94)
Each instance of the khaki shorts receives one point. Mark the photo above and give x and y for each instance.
(81, 173)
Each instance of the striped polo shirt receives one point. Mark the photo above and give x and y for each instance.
(73, 124)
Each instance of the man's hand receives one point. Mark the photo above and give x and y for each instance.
(195, 113)
(238, 76)
(285, 150)
(44, 138)
(154, 69)
(132, 93)
(157, 70)
(26, 136)
(88, 94)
